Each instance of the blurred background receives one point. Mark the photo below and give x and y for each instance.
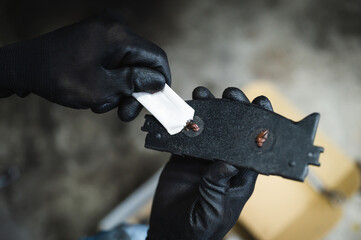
(75, 166)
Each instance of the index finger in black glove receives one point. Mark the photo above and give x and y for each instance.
(141, 52)
(131, 49)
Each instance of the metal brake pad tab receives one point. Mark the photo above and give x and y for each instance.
(244, 135)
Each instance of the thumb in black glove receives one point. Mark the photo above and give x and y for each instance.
(96, 63)
(199, 199)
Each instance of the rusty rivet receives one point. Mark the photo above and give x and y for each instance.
(191, 125)
(262, 136)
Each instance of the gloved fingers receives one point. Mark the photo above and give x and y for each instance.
(202, 93)
(242, 185)
(147, 80)
(135, 79)
(146, 54)
(217, 177)
(212, 189)
(109, 104)
(128, 109)
(121, 80)
(244, 177)
(235, 94)
(263, 102)
(189, 169)
(131, 49)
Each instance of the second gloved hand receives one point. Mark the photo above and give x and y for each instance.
(198, 199)
(96, 63)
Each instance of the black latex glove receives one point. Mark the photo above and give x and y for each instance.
(96, 63)
(199, 199)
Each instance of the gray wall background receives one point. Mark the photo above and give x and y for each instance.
(76, 166)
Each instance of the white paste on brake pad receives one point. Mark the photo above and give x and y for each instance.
(167, 107)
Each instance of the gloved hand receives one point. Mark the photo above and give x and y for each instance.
(197, 199)
(96, 63)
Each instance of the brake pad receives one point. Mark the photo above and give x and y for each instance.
(244, 135)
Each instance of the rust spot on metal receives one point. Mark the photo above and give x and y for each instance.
(262, 136)
(191, 125)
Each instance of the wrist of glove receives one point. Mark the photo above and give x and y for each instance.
(201, 199)
(23, 69)
(96, 63)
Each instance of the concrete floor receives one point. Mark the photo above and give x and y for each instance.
(75, 165)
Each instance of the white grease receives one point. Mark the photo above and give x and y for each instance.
(167, 107)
